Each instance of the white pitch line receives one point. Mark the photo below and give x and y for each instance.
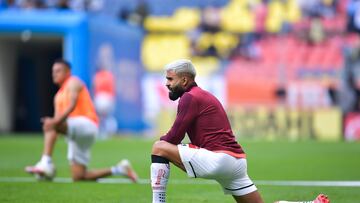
(309, 183)
(196, 182)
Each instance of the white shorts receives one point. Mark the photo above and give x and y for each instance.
(81, 136)
(104, 103)
(229, 171)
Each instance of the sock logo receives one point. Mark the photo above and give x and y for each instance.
(161, 174)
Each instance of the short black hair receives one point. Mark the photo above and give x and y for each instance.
(64, 62)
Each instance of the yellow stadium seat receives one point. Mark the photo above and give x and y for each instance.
(206, 65)
(225, 42)
(275, 17)
(236, 17)
(205, 41)
(160, 49)
(184, 19)
(293, 12)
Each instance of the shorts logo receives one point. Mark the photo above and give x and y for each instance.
(193, 146)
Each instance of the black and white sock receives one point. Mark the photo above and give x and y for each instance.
(160, 171)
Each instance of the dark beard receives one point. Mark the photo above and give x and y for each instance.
(176, 93)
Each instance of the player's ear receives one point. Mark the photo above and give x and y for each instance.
(185, 80)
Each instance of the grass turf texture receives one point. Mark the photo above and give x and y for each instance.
(266, 161)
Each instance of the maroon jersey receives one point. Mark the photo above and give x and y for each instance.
(202, 117)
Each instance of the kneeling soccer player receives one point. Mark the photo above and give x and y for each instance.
(213, 152)
(75, 117)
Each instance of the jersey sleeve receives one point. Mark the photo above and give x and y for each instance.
(186, 113)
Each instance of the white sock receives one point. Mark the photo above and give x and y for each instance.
(159, 177)
(117, 170)
(46, 159)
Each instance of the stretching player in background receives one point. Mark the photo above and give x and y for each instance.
(104, 100)
(75, 117)
(213, 152)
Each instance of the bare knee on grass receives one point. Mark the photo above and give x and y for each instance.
(81, 173)
(78, 172)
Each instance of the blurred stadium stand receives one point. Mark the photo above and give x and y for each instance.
(266, 55)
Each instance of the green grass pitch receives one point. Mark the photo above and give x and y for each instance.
(306, 160)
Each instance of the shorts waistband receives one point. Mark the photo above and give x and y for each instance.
(233, 154)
